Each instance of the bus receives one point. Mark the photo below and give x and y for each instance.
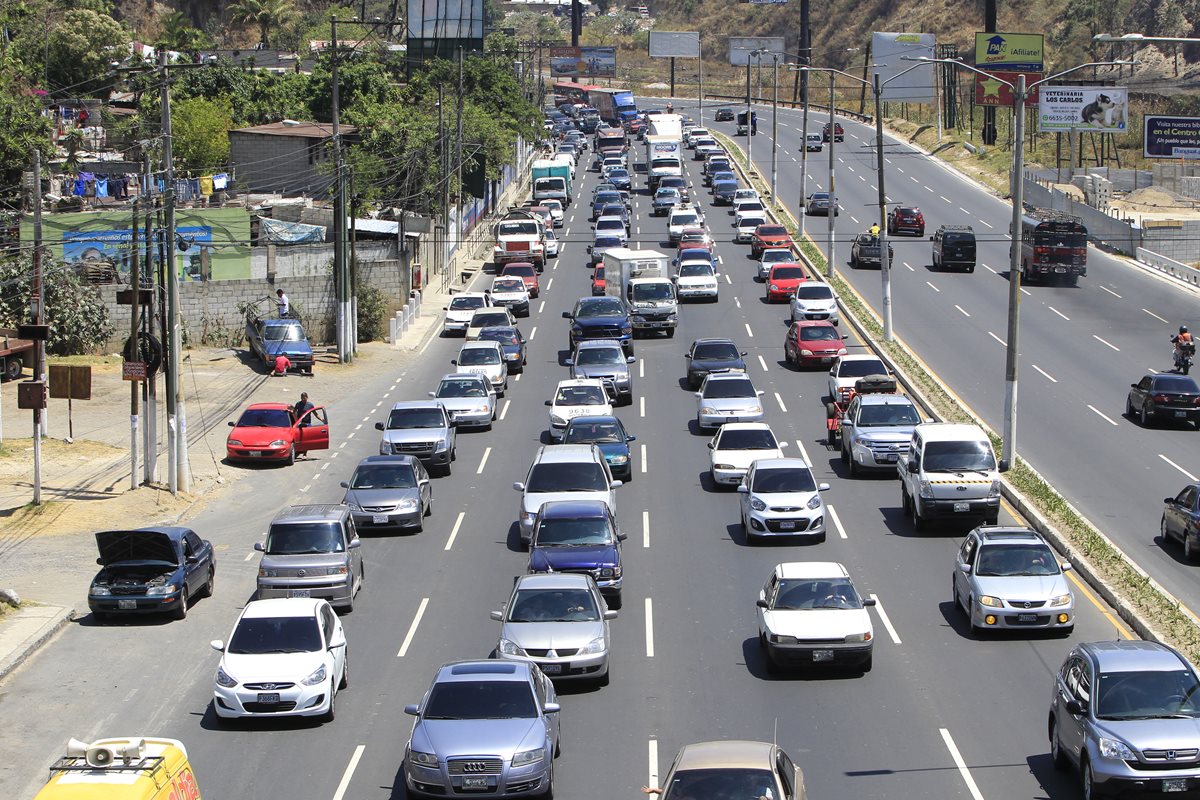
(1053, 245)
(616, 106)
(572, 93)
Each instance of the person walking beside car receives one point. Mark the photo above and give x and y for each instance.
(284, 305)
(302, 406)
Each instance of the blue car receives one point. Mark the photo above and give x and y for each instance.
(712, 355)
(602, 199)
(512, 343)
(154, 570)
(619, 178)
(607, 433)
(600, 318)
(270, 338)
(579, 536)
(723, 190)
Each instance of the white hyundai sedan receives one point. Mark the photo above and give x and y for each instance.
(285, 657)
(738, 445)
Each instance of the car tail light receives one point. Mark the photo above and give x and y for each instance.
(1161, 398)
(1080, 251)
(1041, 251)
(1196, 401)
(921, 218)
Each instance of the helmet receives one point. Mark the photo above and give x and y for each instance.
(1183, 329)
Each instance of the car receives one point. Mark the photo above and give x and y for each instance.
(707, 356)
(692, 254)
(780, 497)
(311, 551)
(598, 284)
(462, 307)
(665, 199)
(489, 317)
(485, 729)
(1164, 398)
(676, 182)
(849, 368)
(604, 198)
(814, 142)
(905, 219)
(867, 250)
(557, 213)
(745, 224)
(564, 472)
(745, 205)
(820, 204)
(285, 657)
(270, 338)
(719, 176)
(696, 238)
(512, 344)
(579, 536)
(578, 397)
(485, 359)
(468, 397)
(619, 177)
(733, 769)
(510, 292)
(772, 256)
(602, 244)
(745, 194)
(272, 432)
(696, 279)
(736, 446)
(1008, 578)
(1181, 520)
(421, 428)
(812, 343)
(559, 621)
(604, 359)
(954, 248)
(684, 215)
(611, 225)
(839, 133)
(527, 272)
(727, 397)
(599, 318)
(723, 191)
(550, 239)
(692, 136)
(1123, 713)
(389, 492)
(812, 301)
(154, 570)
(616, 210)
(782, 282)
(715, 165)
(770, 235)
(724, 115)
(705, 148)
(607, 433)
(876, 431)
(810, 614)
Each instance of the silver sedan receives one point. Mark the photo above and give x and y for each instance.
(469, 399)
(727, 397)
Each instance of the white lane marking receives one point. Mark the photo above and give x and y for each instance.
(989, 269)
(1061, 314)
(454, 530)
(1153, 371)
(549, 283)
(887, 622)
(652, 774)
(853, 219)
(350, 435)
(910, 268)
(963, 310)
(645, 529)
(913, 179)
(643, 459)
(517, 377)
(1156, 316)
(532, 334)
(325, 466)
(737, 302)
(930, 189)
(649, 629)
(963, 210)
(344, 784)
(1190, 476)
(749, 332)
(962, 765)
(947, 199)
(803, 452)
(1026, 291)
(779, 400)
(987, 223)
(641, 406)
(340, 446)
(1102, 415)
(249, 556)
(359, 425)
(998, 339)
(898, 169)
(641, 367)
(392, 388)
(487, 451)
(1045, 374)
(931, 286)
(763, 361)
(542, 305)
(1110, 291)
(729, 280)
(412, 629)
(364, 419)
(504, 410)
(837, 522)
(864, 180)
(306, 487)
(1109, 344)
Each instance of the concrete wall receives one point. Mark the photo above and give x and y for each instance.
(1178, 240)
(1184, 272)
(1125, 237)
(1123, 180)
(1167, 175)
(289, 165)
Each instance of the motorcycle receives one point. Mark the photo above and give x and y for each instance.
(1185, 354)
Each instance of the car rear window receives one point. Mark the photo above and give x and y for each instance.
(584, 476)
(729, 388)
(1175, 383)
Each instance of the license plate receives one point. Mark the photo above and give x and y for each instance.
(787, 525)
(1060, 270)
(826, 359)
(127, 604)
(475, 783)
(1181, 413)
(822, 655)
(892, 458)
(961, 507)
(254, 453)
(552, 669)
(1027, 618)
(1174, 785)
(379, 519)
(299, 593)
(272, 697)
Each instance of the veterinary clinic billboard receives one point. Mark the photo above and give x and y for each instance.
(1097, 109)
(1171, 137)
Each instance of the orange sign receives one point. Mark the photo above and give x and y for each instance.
(991, 92)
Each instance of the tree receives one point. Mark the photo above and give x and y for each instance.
(24, 129)
(179, 34)
(201, 132)
(76, 52)
(266, 14)
(78, 318)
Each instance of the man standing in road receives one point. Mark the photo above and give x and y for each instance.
(284, 307)
(302, 405)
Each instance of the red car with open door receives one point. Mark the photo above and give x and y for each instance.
(272, 432)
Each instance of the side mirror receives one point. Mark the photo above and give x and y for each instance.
(761, 392)
(762, 603)
(743, 353)
(782, 445)
(622, 537)
(965, 569)
(378, 426)
(100, 561)
(520, 487)
(454, 361)
(567, 314)
(609, 614)
(697, 394)
(912, 467)
(569, 361)
(1169, 500)
(259, 547)
(630, 359)
(743, 489)
(549, 402)
(822, 487)
(497, 615)
(1066, 565)
(434, 394)
(1004, 465)
(232, 424)
(1073, 707)
(870, 601)
(1133, 386)
(615, 484)
(355, 543)
(345, 484)
(218, 645)
(445, 308)
(551, 708)
(931, 238)
(411, 709)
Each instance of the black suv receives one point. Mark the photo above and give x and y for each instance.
(954, 248)
(724, 115)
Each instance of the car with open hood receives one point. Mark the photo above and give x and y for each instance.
(579, 536)
(273, 432)
(811, 614)
(389, 492)
(155, 570)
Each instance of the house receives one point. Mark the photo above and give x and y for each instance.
(287, 157)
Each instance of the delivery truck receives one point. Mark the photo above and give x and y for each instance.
(640, 279)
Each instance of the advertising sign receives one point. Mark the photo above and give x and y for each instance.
(1171, 137)
(890, 52)
(991, 92)
(445, 19)
(741, 48)
(674, 44)
(1015, 52)
(578, 62)
(1099, 109)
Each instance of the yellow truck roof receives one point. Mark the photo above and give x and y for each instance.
(144, 768)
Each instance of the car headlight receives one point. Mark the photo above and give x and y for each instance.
(774, 287)
(234, 442)
(224, 679)
(990, 602)
(707, 410)
(268, 573)
(596, 645)
(556, 419)
(317, 677)
(277, 443)
(511, 648)
(340, 570)
(865, 636)
(723, 466)
(482, 409)
(779, 638)
(576, 329)
(841, 352)
(756, 408)
(1116, 749)
(814, 502)
(994, 489)
(619, 460)
(1061, 600)
(422, 759)
(353, 506)
(442, 444)
(526, 757)
(806, 353)
(757, 505)
(626, 329)
(100, 591)
(926, 490)
(610, 572)
(407, 505)
(169, 588)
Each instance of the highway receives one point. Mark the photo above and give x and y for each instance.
(942, 714)
(1081, 347)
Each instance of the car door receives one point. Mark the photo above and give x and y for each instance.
(789, 778)
(965, 558)
(1176, 511)
(1140, 392)
(353, 549)
(543, 692)
(848, 423)
(311, 431)
(767, 594)
(335, 640)
(1074, 683)
(195, 558)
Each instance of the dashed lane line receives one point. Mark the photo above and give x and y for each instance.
(1061, 314)
(1110, 291)
(1045, 374)
(962, 310)
(487, 451)
(412, 629)
(779, 399)
(998, 339)
(885, 619)
(763, 361)
(837, 522)
(454, 531)
(1190, 476)
(1107, 344)
(1102, 415)
(962, 765)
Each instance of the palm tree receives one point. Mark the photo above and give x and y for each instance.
(266, 14)
(179, 34)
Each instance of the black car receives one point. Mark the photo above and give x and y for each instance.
(1181, 520)
(154, 570)
(712, 355)
(954, 247)
(1164, 397)
(724, 115)
(723, 192)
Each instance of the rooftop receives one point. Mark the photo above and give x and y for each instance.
(303, 130)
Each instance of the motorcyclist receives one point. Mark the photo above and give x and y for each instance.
(1185, 346)
(670, 108)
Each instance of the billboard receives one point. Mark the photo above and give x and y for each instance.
(445, 19)
(1014, 52)
(578, 62)
(889, 51)
(991, 92)
(674, 44)
(741, 47)
(1171, 137)
(1098, 109)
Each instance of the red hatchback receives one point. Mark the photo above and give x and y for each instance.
(768, 236)
(527, 272)
(812, 343)
(782, 281)
(598, 280)
(271, 432)
(906, 219)
(695, 238)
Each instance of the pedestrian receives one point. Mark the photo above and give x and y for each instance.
(284, 307)
(282, 365)
(302, 405)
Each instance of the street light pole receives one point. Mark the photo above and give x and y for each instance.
(885, 262)
(831, 212)
(774, 123)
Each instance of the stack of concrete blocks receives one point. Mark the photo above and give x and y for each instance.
(1189, 186)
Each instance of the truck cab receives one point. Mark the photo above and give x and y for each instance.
(520, 236)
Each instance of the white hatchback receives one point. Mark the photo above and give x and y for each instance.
(780, 497)
(814, 300)
(486, 359)
(738, 445)
(810, 614)
(577, 397)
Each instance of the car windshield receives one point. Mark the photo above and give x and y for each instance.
(772, 230)
(383, 476)
(580, 396)
(969, 456)
(814, 291)
(653, 292)
(466, 303)
(573, 532)
(265, 418)
(686, 218)
(478, 357)
(502, 334)
(527, 228)
(727, 389)
(819, 333)
(887, 414)
(739, 783)
(262, 635)
(461, 387)
(591, 356)
(716, 351)
(603, 198)
(618, 173)
(606, 242)
(554, 605)
(481, 699)
(304, 537)
(861, 368)
(775, 256)
(695, 270)
(667, 194)
(1175, 383)
(416, 418)
(503, 285)
(817, 196)
(283, 333)
(787, 273)
(1008, 560)
(489, 318)
(1157, 694)
(593, 433)
(524, 271)
(808, 593)
(753, 439)
(788, 479)
(584, 476)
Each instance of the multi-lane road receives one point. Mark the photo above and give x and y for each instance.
(941, 715)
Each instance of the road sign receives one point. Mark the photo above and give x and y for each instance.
(133, 370)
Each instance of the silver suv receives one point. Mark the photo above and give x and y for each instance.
(564, 472)
(419, 428)
(311, 551)
(1009, 578)
(604, 359)
(1125, 713)
(876, 430)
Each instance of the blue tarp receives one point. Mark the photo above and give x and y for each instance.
(280, 232)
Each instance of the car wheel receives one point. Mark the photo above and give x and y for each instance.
(975, 629)
(291, 457)
(1089, 789)
(1057, 756)
(207, 589)
(915, 513)
(671, 333)
(549, 793)
(1189, 548)
(904, 500)
(954, 596)
(429, 506)
(1144, 417)
(345, 681)
(331, 712)
(1128, 408)
(615, 602)
(854, 470)
(845, 454)
(182, 610)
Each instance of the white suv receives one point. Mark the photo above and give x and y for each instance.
(462, 307)
(564, 472)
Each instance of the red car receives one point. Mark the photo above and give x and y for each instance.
(811, 343)
(906, 219)
(695, 238)
(271, 432)
(767, 236)
(527, 272)
(598, 280)
(782, 281)
(839, 133)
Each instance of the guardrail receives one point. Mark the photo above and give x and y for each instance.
(844, 112)
(1179, 271)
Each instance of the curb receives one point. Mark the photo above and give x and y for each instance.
(9, 662)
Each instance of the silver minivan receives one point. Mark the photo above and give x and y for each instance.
(311, 551)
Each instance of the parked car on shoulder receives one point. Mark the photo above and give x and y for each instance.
(154, 570)
(273, 432)
(270, 338)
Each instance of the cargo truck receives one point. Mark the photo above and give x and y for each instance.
(551, 181)
(640, 279)
(520, 236)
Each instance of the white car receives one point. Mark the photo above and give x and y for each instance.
(848, 369)
(683, 215)
(815, 143)
(564, 472)
(814, 300)
(556, 211)
(738, 445)
(745, 225)
(577, 397)
(461, 308)
(743, 197)
(695, 280)
(285, 657)
(551, 242)
(488, 316)
(486, 359)
(726, 397)
(780, 497)
(510, 292)
(694, 134)
(772, 256)
(810, 614)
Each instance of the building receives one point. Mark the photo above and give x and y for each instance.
(287, 157)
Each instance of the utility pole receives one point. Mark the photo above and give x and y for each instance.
(804, 153)
(700, 77)
(831, 214)
(576, 23)
(340, 278)
(988, 132)
(885, 263)
(135, 281)
(672, 76)
(774, 122)
(150, 387)
(1014, 275)
(444, 177)
(458, 151)
(37, 301)
(749, 118)
(178, 476)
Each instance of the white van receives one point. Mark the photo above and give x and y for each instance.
(949, 472)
